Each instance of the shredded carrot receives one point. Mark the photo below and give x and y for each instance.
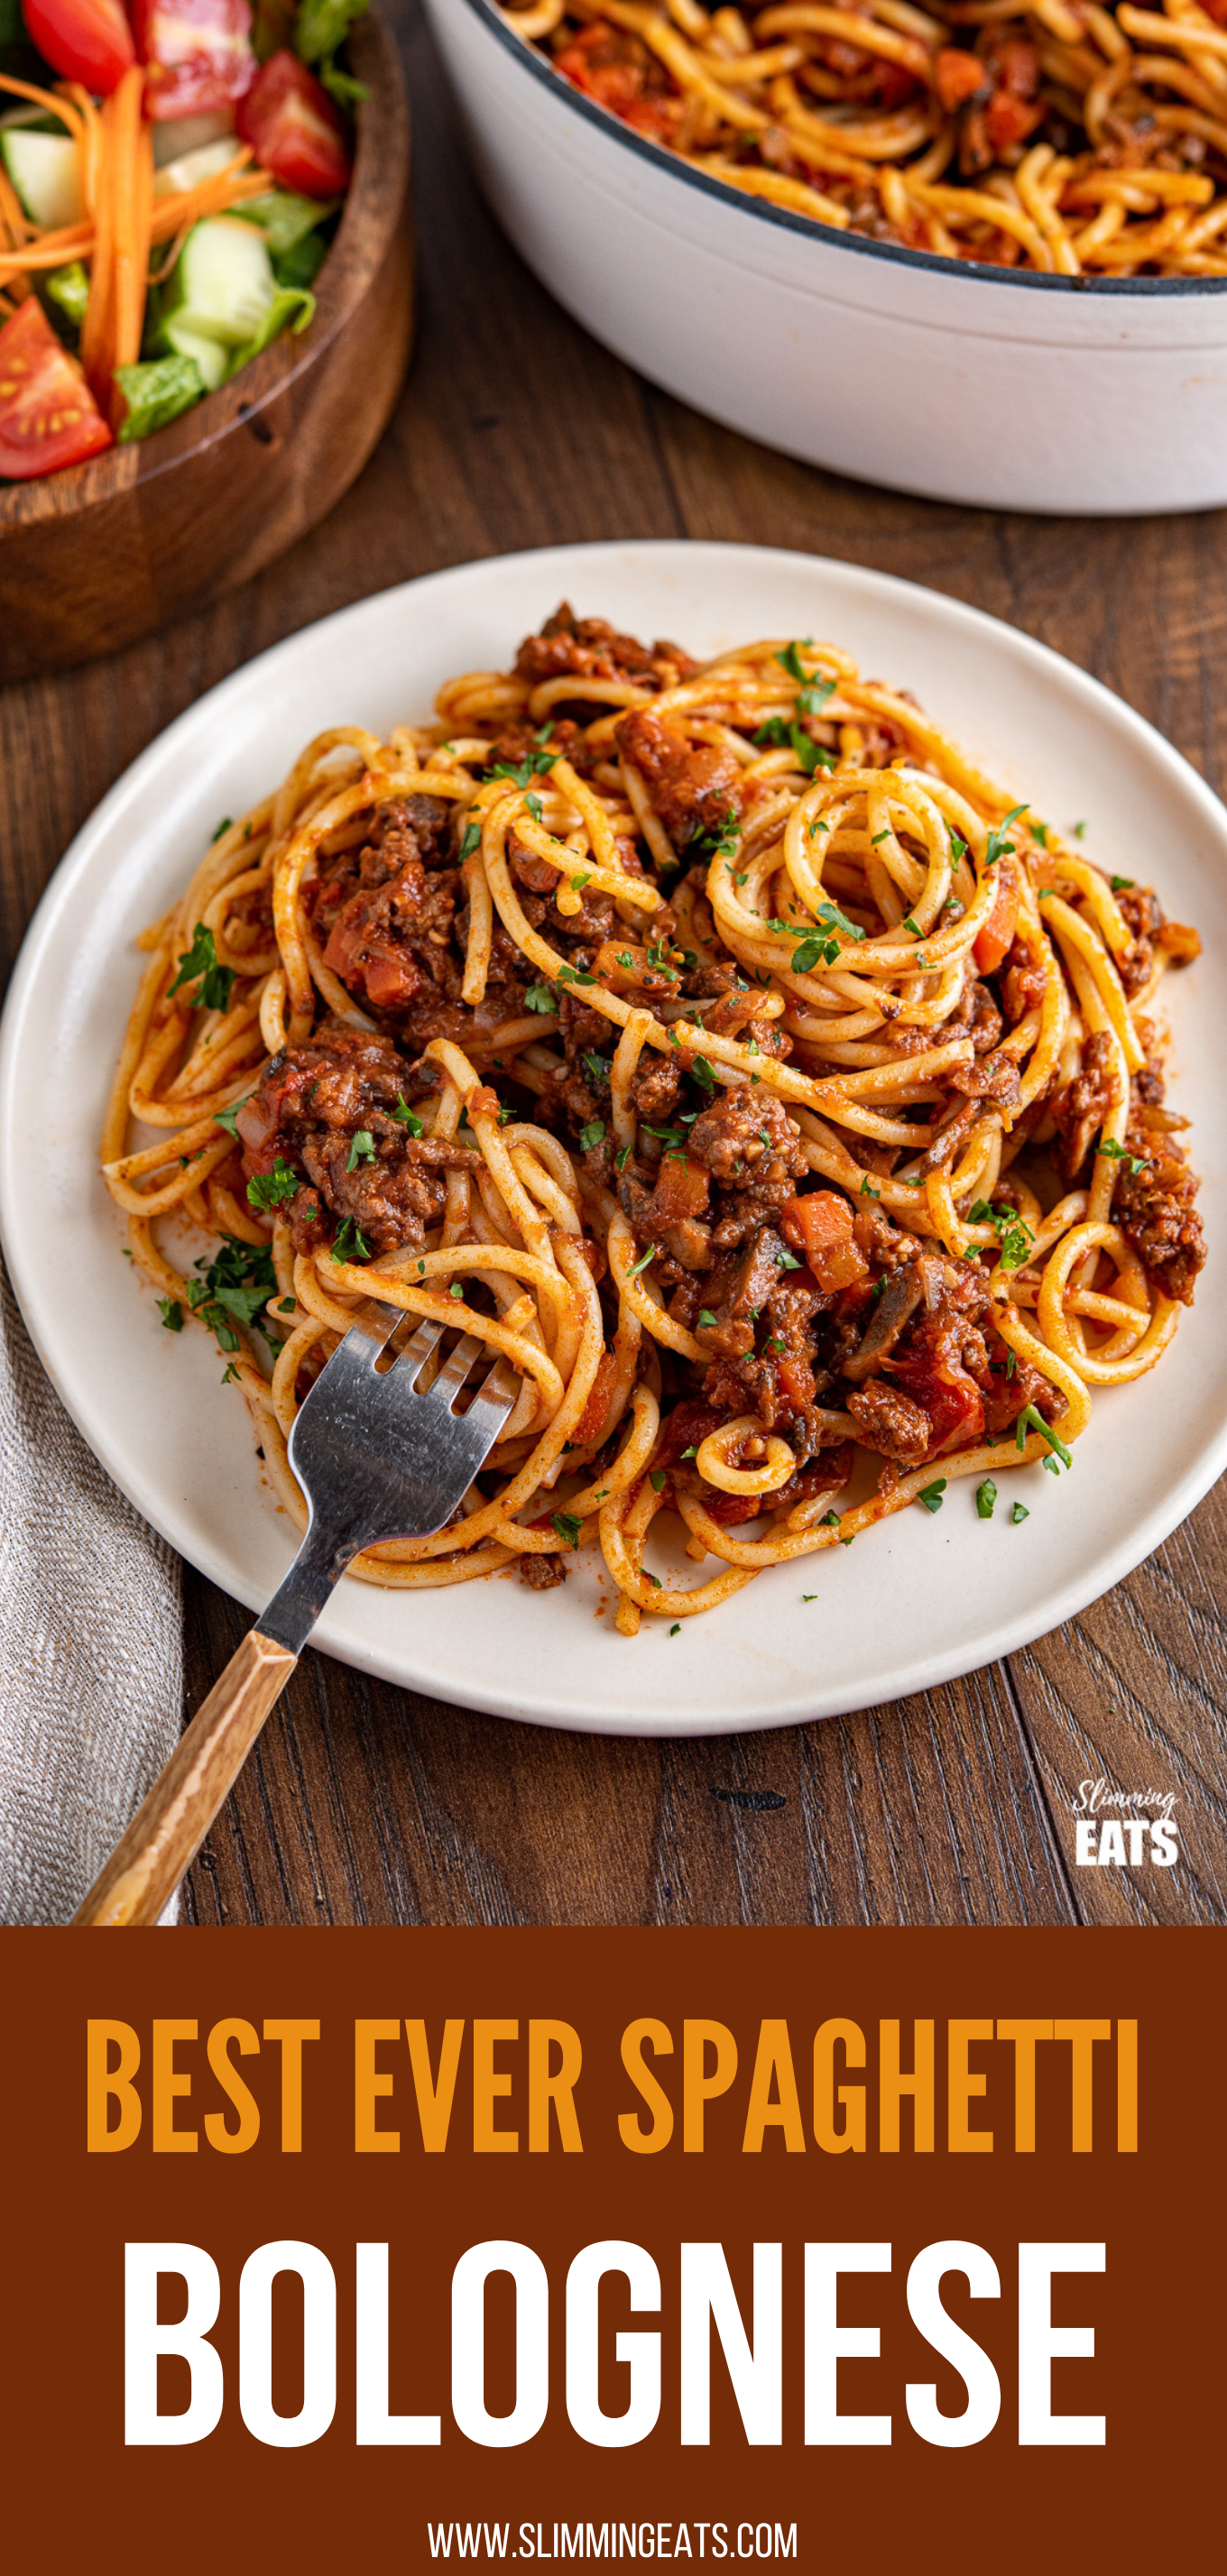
(67, 113)
(158, 276)
(95, 330)
(229, 187)
(132, 179)
(91, 140)
(15, 223)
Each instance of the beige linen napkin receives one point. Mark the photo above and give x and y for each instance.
(91, 1647)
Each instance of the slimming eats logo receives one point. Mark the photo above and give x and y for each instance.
(1142, 1830)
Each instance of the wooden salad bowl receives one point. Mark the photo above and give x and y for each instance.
(95, 556)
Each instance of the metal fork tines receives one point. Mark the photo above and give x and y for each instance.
(378, 1457)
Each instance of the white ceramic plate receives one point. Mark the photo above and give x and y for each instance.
(913, 1603)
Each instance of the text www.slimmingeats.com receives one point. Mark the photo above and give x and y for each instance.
(612, 2540)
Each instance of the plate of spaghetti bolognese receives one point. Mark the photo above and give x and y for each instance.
(730, 987)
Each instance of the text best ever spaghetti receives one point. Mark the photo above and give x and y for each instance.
(714, 1042)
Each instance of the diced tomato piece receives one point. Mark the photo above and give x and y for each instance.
(615, 69)
(48, 416)
(294, 129)
(997, 935)
(958, 75)
(84, 40)
(198, 52)
(947, 1394)
(820, 1225)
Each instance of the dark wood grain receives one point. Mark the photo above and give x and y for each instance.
(363, 1804)
(106, 552)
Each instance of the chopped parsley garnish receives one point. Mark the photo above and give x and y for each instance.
(813, 697)
(362, 1149)
(534, 806)
(656, 1479)
(997, 847)
(790, 660)
(1030, 1420)
(622, 1158)
(407, 1117)
(808, 754)
(1121, 1154)
(867, 1190)
(1078, 830)
(706, 1316)
(644, 1258)
(471, 842)
(1051, 1466)
(719, 841)
(169, 1308)
(933, 1496)
(911, 923)
(691, 1452)
(1020, 1513)
(1039, 832)
(574, 975)
(456, 1289)
(567, 1526)
(830, 1520)
(235, 1289)
(676, 1628)
(200, 959)
(875, 843)
(577, 884)
(591, 1134)
(1012, 1231)
(658, 957)
(286, 1305)
(958, 847)
(227, 1117)
(786, 1260)
(1011, 1366)
(521, 773)
(986, 1496)
(703, 1074)
(350, 1244)
(539, 997)
(269, 1189)
(809, 1596)
(599, 1066)
(226, 825)
(1122, 885)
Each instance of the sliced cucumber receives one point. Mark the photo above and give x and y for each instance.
(193, 168)
(211, 358)
(223, 284)
(45, 171)
(173, 136)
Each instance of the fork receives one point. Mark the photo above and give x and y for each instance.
(378, 1457)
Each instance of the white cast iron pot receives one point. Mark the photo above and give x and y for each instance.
(981, 385)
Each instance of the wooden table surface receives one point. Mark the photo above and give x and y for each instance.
(366, 1804)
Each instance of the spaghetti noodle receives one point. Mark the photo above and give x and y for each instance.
(1060, 135)
(715, 1043)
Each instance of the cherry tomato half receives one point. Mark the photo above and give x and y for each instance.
(198, 52)
(84, 40)
(48, 416)
(294, 129)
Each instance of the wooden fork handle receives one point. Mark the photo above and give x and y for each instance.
(167, 1831)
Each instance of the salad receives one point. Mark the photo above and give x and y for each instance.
(171, 174)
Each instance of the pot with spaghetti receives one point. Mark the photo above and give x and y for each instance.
(714, 1042)
(976, 250)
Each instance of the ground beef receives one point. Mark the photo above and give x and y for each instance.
(590, 648)
(743, 1134)
(885, 1246)
(976, 1011)
(542, 1573)
(1154, 1210)
(1024, 981)
(1143, 913)
(1081, 1108)
(385, 921)
(694, 788)
(988, 1077)
(890, 1422)
(313, 1102)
